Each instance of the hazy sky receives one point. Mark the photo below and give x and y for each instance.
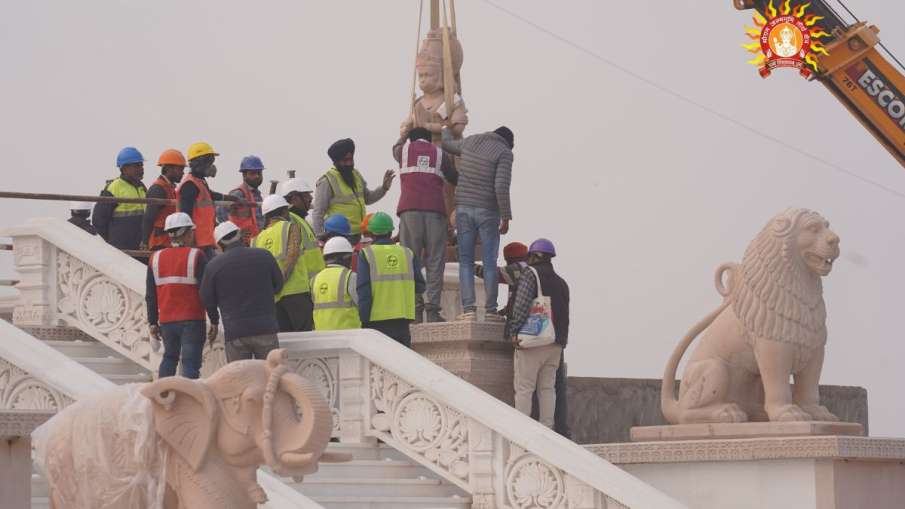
(643, 194)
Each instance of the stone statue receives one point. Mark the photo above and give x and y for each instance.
(180, 443)
(430, 110)
(771, 324)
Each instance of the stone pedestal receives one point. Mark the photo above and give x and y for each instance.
(819, 472)
(15, 455)
(720, 430)
(473, 351)
(450, 299)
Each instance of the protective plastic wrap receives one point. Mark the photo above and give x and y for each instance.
(103, 453)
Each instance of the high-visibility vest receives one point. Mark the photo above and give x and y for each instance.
(121, 188)
(159, 238)
(177, 284)
(346, 201)
(392, 281)
(311, 248)
(420, 178)
(244, 217)
(203, 214)
(275, 238)
(333, 306)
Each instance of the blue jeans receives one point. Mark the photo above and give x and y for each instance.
(473, 223)
(185, 338)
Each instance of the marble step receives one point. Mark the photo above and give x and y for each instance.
(384, 469)
(368, 451)
(81, 348)
(376, 487)
(40, 503)
(344, 502)
(111, 365)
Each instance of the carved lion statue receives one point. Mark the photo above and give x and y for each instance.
(771, 324)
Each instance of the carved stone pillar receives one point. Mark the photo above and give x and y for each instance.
(15, 455)
(35, 261)
(354, 399)
(473, 351)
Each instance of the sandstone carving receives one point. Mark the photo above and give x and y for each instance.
(180, 443)
(430, 110)
(771, 324)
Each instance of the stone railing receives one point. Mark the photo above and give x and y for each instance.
(34, 376)
(68, 277)
(503, 459)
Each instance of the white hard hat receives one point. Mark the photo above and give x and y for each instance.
(223, 229)
(273, 202)
(296, 185)
(337, 245)
(80, 205)
(178, 220)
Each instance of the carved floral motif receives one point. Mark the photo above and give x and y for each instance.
(322, 372)
(422, 425)
(21, 391)
(105, 309)
(531, 483)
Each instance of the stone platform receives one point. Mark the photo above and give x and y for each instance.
(743, 430)
(473, 351)
(15, 455)
(822, 472)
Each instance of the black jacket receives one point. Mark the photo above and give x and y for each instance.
(242, 283)
(552, 286)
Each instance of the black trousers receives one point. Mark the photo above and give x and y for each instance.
(561, 411)
(396, 329)
(295, 313)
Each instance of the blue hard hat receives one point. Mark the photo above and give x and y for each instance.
(542, 246)
(337, 223)
(128, 155)
(251, 163)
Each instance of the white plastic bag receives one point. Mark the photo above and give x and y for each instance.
(538, 328)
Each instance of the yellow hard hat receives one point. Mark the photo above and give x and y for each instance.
(200, 149)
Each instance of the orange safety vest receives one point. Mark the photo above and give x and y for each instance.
(245, 217)
(159, 238)
(203, 215)
(177, 284)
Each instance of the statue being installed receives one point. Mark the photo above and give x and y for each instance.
(771, 324)
(180, 443)
(430, 109)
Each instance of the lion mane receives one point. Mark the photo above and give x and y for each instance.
(774, 294)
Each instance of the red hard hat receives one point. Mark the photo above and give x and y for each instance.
(514, 250)
(172, 157)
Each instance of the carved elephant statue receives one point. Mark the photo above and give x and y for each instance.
(178, 443)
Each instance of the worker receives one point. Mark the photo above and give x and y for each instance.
(195, 197)
(297, 193)
(174, 306)
(422, 212)
(516, 256)
(389, 278)
(120, 223)
(535, 368)
(483, 209)
(336, 225)
(79, 214)
(334, 289)
(172, 166)
(283, 238)
(247, 217)
(242, 283)
(342, 190)
(365, 240)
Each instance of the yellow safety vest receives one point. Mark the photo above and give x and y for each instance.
(311, 250)
(123, 189)
(392, 281)
(333, 306)
(275, 238)
(346, 201)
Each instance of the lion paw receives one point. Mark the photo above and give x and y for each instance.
(789, 413)
(819, 413)
(731, 413)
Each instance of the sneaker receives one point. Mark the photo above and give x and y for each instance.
(494, 317)
(434, 316)
(470, 315)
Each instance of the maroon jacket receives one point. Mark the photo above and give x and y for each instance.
(422, 168)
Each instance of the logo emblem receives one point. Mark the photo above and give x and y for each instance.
(392, 261)
(424, 162)
(787, 37)
(322, 288)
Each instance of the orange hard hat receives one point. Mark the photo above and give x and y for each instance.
(364, 222)
(172, 157)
